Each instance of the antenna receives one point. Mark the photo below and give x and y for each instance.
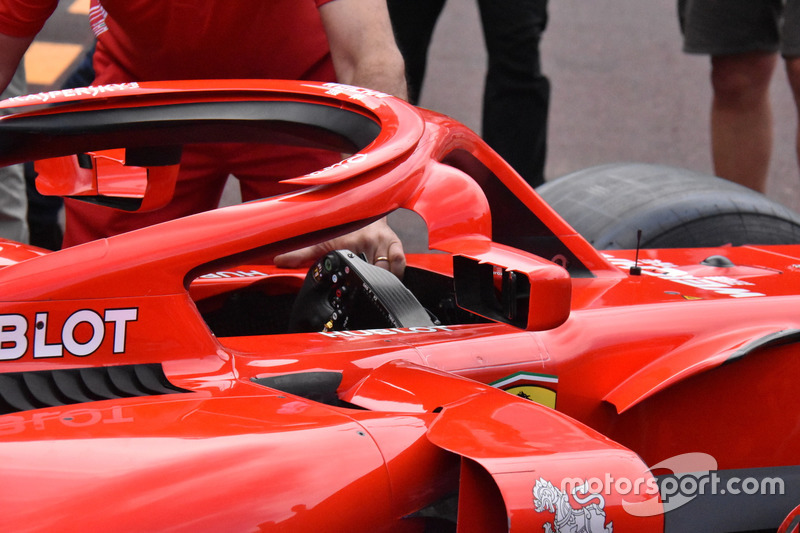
(636, 270)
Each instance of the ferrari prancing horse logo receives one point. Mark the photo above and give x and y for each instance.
(539, 388)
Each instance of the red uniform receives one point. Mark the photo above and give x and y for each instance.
(147, 40)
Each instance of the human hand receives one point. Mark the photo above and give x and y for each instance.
(380, 245)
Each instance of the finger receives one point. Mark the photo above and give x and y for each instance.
(397, 259)
(298, 258)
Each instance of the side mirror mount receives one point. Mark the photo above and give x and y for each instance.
(507, 286)
(132, 179)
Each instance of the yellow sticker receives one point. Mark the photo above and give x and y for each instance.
(536, 394)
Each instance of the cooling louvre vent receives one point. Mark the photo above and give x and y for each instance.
(24, 391)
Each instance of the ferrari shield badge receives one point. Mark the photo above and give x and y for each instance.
(539, 388)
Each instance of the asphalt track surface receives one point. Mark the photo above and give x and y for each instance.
(622, 88)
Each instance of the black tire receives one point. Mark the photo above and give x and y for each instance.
(674, 208)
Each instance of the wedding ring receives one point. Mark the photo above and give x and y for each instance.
(381, 258)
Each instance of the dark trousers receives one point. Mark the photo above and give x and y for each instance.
(516, 95)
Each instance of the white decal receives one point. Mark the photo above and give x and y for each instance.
(345, 163)
(13, 343)
(120, 318)
(587, 518)
(94, 90)
(14, 333)
(234, 274)
(668, 271)
(68, 333)
(40, 346)
(392, 331)
(352, 92)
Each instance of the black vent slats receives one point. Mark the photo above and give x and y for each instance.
(154, 382)
(41, 393)
(13, 396)
(98, 383)
(125, 381)
(71, 387)
(25, 391)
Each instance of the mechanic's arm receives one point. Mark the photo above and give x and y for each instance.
(364, 54)
(362, 45)
(11, 51)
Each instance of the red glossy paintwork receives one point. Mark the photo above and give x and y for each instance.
(792, 522)
(63, 176)
(684, 358)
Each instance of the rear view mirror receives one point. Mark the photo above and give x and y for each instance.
(141, 179)
(518, 289)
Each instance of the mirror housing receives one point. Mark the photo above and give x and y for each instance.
(141, 179)
(505, 285)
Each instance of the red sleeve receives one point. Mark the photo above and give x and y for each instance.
(322, 2)
(24, 18)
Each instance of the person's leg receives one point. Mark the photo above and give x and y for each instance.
(413, 22)
(793, 72)
(13, 199)
(742, 38)
(790, 48)
(13, 204)
(741, 117)
(517, 94)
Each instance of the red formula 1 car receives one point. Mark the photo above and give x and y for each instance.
(517, 379)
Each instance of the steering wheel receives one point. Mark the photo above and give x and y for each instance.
(344, 292)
